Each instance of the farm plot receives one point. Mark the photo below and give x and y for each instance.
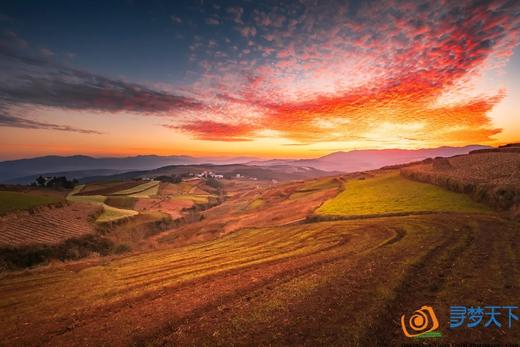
(143, 190)
(107, 188)
(12, 201)
(167, 189)
(271, 207)
(169, 206)
(389, 193)
(47, 225)
(109, 214)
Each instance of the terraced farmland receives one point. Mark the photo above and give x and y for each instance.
(251, 273)
(275, 205)
(167, 198)
(300, 284)
(47, 225)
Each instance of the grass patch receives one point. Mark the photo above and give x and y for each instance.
(111, 214)
(12, 201)
(258, 202)
(391, 193)
(197, 199)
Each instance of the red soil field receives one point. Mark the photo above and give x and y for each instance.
(172, 207)
(46, 225)
(278, 208)
(108, 188)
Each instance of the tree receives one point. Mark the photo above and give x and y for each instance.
(213, 182)
(41, 181)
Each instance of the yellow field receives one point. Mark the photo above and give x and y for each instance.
(148, 192)
(111, 214)
(198, 199)
(258, 202)
(391, 193)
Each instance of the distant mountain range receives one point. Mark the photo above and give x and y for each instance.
(24, 171)
(362, 160)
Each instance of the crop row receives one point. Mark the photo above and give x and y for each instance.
(46, 226)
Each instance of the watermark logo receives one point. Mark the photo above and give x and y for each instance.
(422, 323)
(487, 316)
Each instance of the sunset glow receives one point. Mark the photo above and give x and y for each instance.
(290, 79)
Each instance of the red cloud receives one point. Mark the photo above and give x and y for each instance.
(215, 131)
(331, 76)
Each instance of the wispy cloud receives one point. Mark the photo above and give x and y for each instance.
(17, 122)
(34, 78)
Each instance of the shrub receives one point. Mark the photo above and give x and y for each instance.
(122, 248)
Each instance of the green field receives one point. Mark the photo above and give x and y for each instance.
(391, 193)
(12, 201)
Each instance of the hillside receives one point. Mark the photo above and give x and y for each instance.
(491, 176)
(255, 270)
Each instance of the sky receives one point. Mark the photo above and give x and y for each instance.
(257, 78)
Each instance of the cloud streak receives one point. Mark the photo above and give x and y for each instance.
(17, 122)
(34, 78)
